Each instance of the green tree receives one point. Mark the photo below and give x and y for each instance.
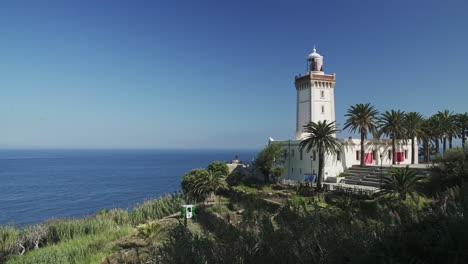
(190, 180)
(449, 129)
(391, 125)
(276, 172)
(435, 129)
(414, 128)
(219, 167)
(461, 121)
(320, 136)
(362, 118)
(267, 158)
(207, 185)
(402, 182)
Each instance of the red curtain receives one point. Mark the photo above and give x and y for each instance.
(369, 158)
(400, 156)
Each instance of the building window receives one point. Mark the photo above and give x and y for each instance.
(390, 154)
(300, 170)
(300, 154)
(292, 153)
(374, 154)
(338, 155)
(322, 94)
(314, 155)
(323, 109)
(406, 154)
(358, 155)
(292, 170)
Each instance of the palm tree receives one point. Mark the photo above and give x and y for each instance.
(414, 128)
(401, 181)
(391, 124)
(426, 136)
(320, 136)
(448, 127)
(362, 118)
(435, 129)
(208, 184)
(461, 121)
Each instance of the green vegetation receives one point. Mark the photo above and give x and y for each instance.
(267, 158)
(200, 184)
(81, 249)
(442, 127)
(414, 128)
(320, 136)
(83, 240)
(219, 167)
(276, 173)
(252, 222)
(362, 118)
(461, 123)
(391, 124)
(282, 224)
(401, 182)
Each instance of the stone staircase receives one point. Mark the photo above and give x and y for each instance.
(371, 176)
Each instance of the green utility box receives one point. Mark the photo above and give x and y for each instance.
(188, 211)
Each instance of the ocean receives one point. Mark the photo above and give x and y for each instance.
(36, 185)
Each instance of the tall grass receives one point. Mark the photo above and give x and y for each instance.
(65, 229)
(157, 208)
(83, 249)
(8, 236)
(61, 233)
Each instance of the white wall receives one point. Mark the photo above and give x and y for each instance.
(296, 167)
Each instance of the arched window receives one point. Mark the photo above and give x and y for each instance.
(323, 109)
(322, 94)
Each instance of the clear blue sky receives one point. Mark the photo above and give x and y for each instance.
(215, 74)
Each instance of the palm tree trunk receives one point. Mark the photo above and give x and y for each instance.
(463, 138)
(437, 148)
(362, 149)
(320, 169)
(427, 152)
(445, 145)
(393, 150)
(450, 142)
(412, 150)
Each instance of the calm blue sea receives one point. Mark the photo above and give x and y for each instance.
(36, 185)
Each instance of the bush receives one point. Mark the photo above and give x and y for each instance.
(82, 249)
(219, 167)
(8, 236)
(156, 208)
(235, 178)
(276, 173)
(66, 229)
(267, 158)
(190, 178)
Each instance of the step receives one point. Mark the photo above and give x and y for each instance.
(363, 183)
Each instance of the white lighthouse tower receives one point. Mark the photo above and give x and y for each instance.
(315, 94)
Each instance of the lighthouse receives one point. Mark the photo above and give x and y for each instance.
(315, 91)
(315, 94)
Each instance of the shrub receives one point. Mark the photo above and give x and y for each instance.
(267, 158)
(235, 178)
(190, 178)
(8, 236)
(156, 208)
(402, 182)
(149, 230)
(219, 167)
(66, 229)
(276, 173)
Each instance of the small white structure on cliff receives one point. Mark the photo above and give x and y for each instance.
(316, 102)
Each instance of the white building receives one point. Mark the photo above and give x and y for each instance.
(316, 102)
